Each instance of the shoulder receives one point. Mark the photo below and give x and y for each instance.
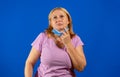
(77, 40)
(42, 34)
(75, 37)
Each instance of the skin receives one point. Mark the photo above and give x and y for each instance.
(59, 21)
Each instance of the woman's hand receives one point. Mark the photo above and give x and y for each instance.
(65, 37)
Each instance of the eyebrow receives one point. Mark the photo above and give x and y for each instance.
(59, 15)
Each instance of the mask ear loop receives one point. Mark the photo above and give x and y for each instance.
(66, 29)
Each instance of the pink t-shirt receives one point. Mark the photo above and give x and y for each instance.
(55, 62)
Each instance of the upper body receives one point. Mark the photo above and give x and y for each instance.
(59, 55)
(55, 61)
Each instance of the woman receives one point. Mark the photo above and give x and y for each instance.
(59, 49)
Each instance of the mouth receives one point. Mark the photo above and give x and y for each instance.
(59, 24)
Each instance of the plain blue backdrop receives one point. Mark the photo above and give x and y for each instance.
(97, 22)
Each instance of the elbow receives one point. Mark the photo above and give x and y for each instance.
(81, 67)
(28, 66)
(28, 69)
(28, 63)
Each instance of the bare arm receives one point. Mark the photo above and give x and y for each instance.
(77, 56)
(30, 62)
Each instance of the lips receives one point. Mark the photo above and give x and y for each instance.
(59, 23)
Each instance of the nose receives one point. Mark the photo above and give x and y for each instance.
(59, 19)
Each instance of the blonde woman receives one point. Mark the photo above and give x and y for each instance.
(60, 50)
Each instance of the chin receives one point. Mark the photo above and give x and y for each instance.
(60, 29)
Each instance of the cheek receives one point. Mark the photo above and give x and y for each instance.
(67, 22)
(52, 24)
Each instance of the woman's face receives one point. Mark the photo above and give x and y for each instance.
(59, 20)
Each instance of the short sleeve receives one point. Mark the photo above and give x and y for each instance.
(37, 43)
(77, 41)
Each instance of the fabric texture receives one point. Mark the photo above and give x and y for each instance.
(55, 62)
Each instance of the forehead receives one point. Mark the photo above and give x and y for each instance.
(58, 12)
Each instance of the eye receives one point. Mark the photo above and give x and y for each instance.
(61, 16)
(55, 17)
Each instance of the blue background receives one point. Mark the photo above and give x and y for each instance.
(97, 22)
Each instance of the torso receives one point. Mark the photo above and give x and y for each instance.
(54, 60)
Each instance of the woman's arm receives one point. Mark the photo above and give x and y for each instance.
(30, 62)
(77, 56)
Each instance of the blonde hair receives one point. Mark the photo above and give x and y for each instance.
(49, 29)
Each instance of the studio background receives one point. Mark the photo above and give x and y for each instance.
(97, 22)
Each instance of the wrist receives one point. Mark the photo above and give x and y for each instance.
(68, 45)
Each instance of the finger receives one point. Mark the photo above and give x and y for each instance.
(62, 36)
(66, 30)
(64, 33)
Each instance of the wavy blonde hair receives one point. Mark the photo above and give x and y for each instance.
(49, 29)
